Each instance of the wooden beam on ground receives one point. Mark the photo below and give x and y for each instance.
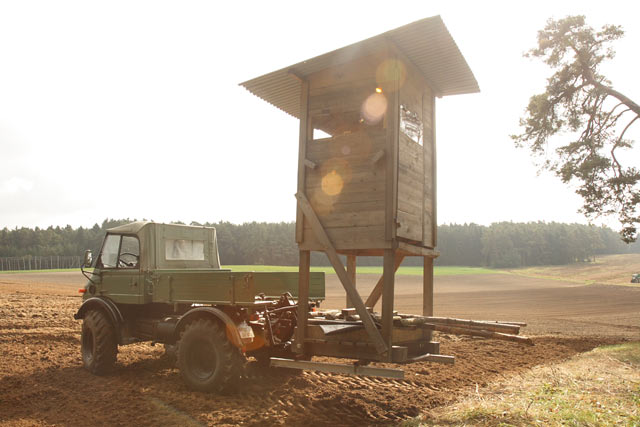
(351, 271)
(504, 322)
(338, 368)
(482, 333)
(473, 324)
(303, 300)
(376, 292)
(473, 332)
(321, 235)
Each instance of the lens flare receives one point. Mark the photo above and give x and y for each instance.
(374, 108)
(322, 203)
(332, 183)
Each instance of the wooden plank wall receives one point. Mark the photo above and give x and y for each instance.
(410, 189)
(429, 212)
(345, 183)
(418, 96)
(336, 109)
(411, 162)
(346, 190)
(302, 144)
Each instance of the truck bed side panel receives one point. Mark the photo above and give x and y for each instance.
(224, 287)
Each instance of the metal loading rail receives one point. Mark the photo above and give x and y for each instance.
(341, 334)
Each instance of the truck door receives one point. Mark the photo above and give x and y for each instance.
(119, 265)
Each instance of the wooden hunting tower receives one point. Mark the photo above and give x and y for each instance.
(367, 158)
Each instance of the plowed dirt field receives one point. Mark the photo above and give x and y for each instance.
(42, 381)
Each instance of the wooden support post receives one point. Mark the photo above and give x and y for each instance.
(391, 179)
(303, 300)
(388, 274)
(376, 292)
(434, 222)
(427, 296)
(427, 293)
(302, 152)
(351, 272)
(330, 250)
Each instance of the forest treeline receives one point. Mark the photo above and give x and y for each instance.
(503, 244)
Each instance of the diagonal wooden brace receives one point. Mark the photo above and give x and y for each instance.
(330, 250)
(376, 292)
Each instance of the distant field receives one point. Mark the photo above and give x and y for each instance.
(607, 270)
(403, 271)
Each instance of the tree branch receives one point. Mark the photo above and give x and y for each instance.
(617, 144)
(590, 77)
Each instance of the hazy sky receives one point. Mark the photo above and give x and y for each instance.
(133, 109)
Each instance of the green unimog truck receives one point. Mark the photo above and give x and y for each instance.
(163, 283)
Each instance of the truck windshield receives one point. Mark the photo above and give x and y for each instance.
(128, 255)
(109, 255)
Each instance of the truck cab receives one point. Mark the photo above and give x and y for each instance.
(146, 263)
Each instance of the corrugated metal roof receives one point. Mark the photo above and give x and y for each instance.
(427, 43)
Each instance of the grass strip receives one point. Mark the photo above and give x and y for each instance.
(600, 387)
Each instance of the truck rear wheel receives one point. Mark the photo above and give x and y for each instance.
(99, 346)
(206, 359)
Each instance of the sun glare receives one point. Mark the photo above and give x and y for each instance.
(332, 183)
(373, 108)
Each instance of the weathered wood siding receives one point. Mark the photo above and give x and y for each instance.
(368, 183)
(410, 162)
(410, 189)
(429, 224)
(346, 190)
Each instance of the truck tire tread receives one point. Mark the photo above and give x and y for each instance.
(229, 361)
(99, 346)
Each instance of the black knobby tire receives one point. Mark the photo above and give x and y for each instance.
(206, 359)
(99, 345)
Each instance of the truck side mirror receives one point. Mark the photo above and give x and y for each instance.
(88, 258)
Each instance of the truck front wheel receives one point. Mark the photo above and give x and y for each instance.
(99, 346)
(206, 359)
